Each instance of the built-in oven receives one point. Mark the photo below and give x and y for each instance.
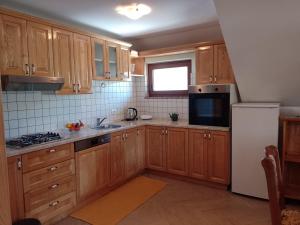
(210, 104)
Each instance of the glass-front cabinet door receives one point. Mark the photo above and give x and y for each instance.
(113, 51)
(99, 59)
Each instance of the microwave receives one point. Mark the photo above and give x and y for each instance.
(210, 105)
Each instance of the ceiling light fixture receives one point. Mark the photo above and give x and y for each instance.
(134, 11)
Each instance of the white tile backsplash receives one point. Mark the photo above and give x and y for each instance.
(31, 112)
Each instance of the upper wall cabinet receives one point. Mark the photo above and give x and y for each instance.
(63, 53)
(14, 52)
(82, 63)
(99, 59)
(40, 49)
(213, 65)
(137, 66)
(18, 58)
(110, 60)
(124, 63)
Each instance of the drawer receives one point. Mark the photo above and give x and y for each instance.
(46, 157)
(54, 208)
(40, 196)
(48, 175)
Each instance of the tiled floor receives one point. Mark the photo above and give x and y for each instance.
(182, 203)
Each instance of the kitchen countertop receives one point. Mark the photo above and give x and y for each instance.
(69, 137)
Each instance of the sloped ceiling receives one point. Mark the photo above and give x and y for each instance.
(263, 40)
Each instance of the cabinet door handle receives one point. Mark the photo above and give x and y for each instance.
(209, 136)
(74, 88)
(52, 150)
(204, 135)
(54, 186)
(19, 164)
(162, 132)
(215, 79)
(53, 168)
(126, 135)
(54, 204)
(138, 132)
(27, 70)
(33, 69)
(166, 131)
(210, 79)
(78, 87)
(123, 136)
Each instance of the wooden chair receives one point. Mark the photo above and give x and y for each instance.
(279, 215)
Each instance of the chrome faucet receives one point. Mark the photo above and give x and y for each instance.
(100, 121)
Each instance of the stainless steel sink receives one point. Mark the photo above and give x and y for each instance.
(108, 126)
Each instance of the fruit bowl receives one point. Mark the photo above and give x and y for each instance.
(74, 126)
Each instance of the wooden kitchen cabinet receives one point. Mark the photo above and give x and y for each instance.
(205, 65)
(110, 60)
(113, 60)
(40, 49)
(63, 42)
(130, 150)
(14, 51)
(141, 141)
(83, 63)
(138, 66)
(100, 67)
(117, 159)
(222, 67)
(124, 63)
(167, 149)
(155, 148)
(93, 170)
(218, 157)
(209, 153)
(213, 65)
(15, 179)
(198, 154)
(177, 150)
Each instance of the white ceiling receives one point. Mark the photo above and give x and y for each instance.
(166, 15)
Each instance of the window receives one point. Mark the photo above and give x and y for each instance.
(169, 78)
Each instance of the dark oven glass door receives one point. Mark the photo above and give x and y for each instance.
(209, 109)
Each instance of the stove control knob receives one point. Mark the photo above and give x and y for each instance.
(200, 90)
(216, 89)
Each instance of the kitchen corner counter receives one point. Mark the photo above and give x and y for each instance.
(69, 137)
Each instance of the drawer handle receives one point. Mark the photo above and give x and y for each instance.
(53, 168)
(52, 150)
(54, 204)
(54, 186)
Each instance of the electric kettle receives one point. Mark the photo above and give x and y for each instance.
(131, 114)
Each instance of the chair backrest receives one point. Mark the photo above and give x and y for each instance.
(269, 166)
(271, 150)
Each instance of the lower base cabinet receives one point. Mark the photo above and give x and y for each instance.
(92, 170)
(15, 179)
(209, 155)
(155, 148)
(196, 153)
(117, 159)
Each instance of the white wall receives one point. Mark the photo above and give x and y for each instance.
(262, 37)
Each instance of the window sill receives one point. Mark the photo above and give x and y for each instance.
(167, 97)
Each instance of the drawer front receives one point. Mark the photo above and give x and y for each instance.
(46, 157)
(53, 208)
(38, 197)
(48, 175)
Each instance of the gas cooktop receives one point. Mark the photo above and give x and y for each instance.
(32, 139)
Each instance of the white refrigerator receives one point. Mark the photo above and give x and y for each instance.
(254, 126)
